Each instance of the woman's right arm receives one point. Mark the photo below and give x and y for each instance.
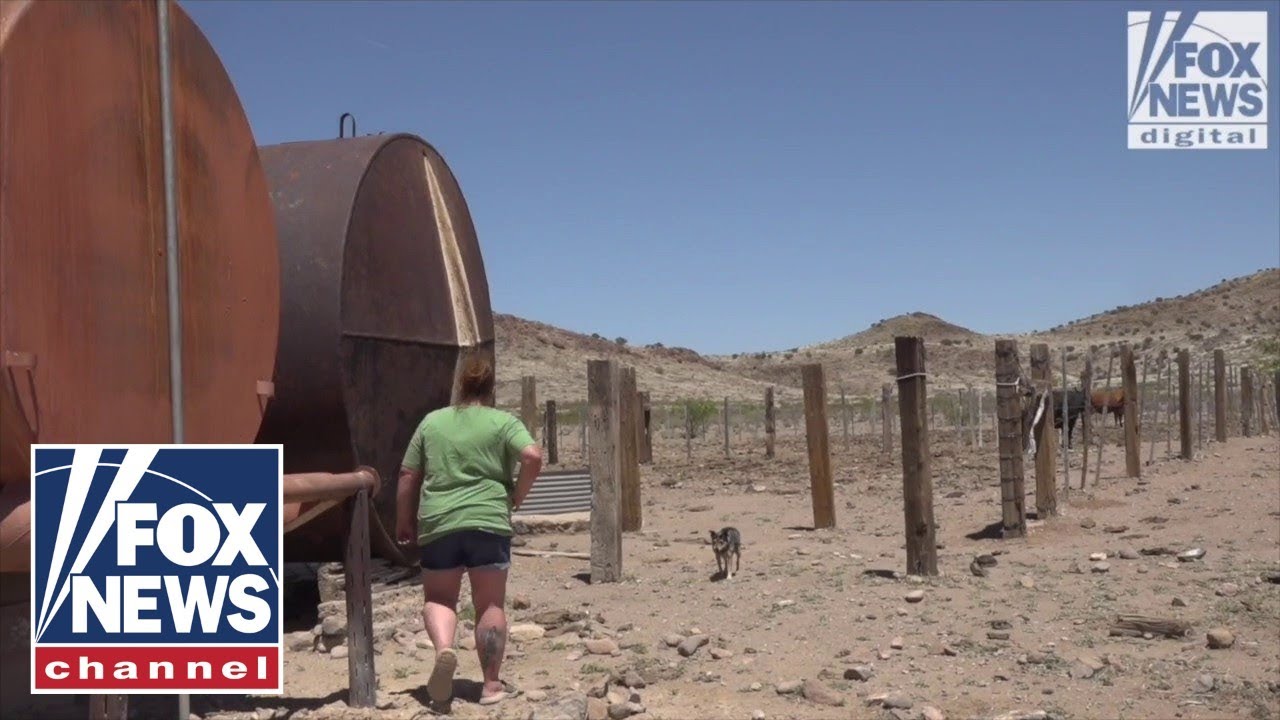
(408, 488)
(530, 466)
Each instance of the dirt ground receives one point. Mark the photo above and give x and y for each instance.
(813, 613)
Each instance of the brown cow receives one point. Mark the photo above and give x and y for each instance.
(1109, 401)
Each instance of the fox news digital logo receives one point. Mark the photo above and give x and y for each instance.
(1198, 80)
(156, 569)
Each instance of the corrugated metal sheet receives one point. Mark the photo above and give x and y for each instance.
(563, 491)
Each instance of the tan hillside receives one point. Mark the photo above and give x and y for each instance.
(1233, 315)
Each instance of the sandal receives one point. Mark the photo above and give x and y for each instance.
(440, 685)
(494, 698)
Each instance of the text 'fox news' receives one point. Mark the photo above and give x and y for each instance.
(156, 569)
(1197, 80)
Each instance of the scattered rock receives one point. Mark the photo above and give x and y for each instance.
(1192, 554)
(690, 645)
(1129, 554)
(601, 646)
(620, 711)
(1273, 577)
(597, 709)
(1027, 582)
(1097, 557)
(721, 653)
(520, 602)
(633, 680)
(998, 635)
(1220, 638)
(1088, 523)
(757, 715)
(339, 652)
(915, 596)
(536, 696)
(1080, 671)
(788, 687)
(1227, 590)
(1101, 567)
(783, 603)
(1115, 529)
(526, 632)
(334, 625)
(1000, 625)
(896, 643)
(861, 673)
(897, 700)
(985, 560)
(816, 692)
(755, 687)
(1075, 569)
(300, 641)
(1178, 602)
(946, 650)
(672, 640)
(467, 642)
(929, 712)
(1204, 683)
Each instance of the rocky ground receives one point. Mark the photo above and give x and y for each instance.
(822, 624)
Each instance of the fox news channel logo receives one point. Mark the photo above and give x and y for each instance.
(1198, 80)
(156, 569)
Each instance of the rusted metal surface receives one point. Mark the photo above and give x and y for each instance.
(82, 232)
(383, 289)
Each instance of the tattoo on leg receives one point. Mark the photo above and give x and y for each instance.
(493, 643)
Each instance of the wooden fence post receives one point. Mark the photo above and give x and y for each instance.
(817, 433)
(1065, 441)
(628, 449)
(109, 707)
(1261, 395)
(770, 428)
(1132, 425)
(917, 482)
(606, 526)
(1168, 408)
(844, 418)
(978, 418)
(1246, 401)
(529, 404)
(1275, 388)
(1046, 472)
(1009, 410)
(1097, 470)
(552, 434)
(363, 689)
(688, 433)
(1220, 395)
(1086, 433)
(886, 429)
(726, 426)
(1233, 402)
(1184, 403)
(1149, 405)
(1200, 404)
(646, 430)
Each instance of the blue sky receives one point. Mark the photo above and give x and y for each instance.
(741, 176)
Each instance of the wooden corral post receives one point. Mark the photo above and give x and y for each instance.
(1261, 395)
(583, 421)
(844, 418)
(551, 436)
(978, 417)
(688, 433)
(917, 481)
(646, 430)
(1184, 403)
(1132, 425)
(1168, 408)
(1233, 404)
(1009, 410)
(1086, 432)
(1046, 472)
(816, 431)
(886, 428)
(1275, 388)
(628, 449)
(1149, 405)
(1220, 395)
(1065, 441)
(1200, 405)
(529, 404)
(1246, 401)
(363, 689)
(109, 707)
(726, 426)
(770, 428)
(606, 486)
(1097, 470)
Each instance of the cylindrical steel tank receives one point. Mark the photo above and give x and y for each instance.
(383, 292)
(83, 286)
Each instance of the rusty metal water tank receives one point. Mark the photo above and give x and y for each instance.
(383, 291)
(83, 285)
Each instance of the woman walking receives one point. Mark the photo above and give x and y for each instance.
(456, 477)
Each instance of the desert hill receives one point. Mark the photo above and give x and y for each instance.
(1233, 315)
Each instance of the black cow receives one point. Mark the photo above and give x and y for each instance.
(1075, 408)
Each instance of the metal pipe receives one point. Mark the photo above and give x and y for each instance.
(171, 251)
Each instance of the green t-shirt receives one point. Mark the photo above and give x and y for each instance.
(468, 457)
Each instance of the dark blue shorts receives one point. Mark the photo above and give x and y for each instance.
(471, 549)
